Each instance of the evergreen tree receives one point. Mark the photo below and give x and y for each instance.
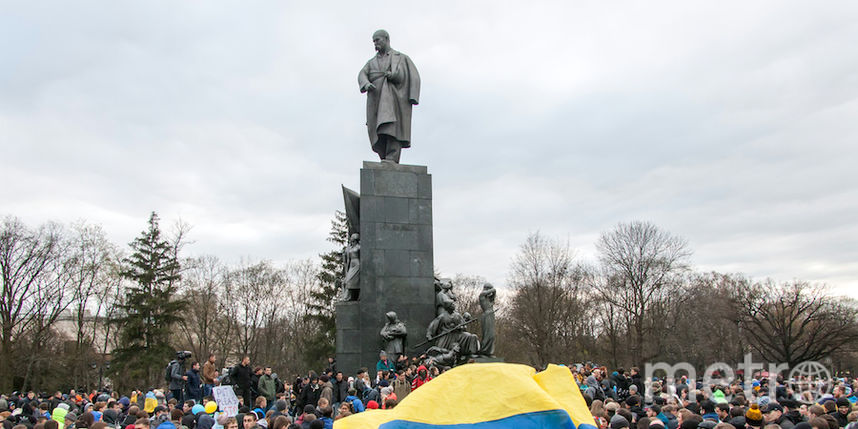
(149, 310)
(321, 306)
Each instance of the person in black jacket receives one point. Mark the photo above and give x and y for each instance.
(254, 383)
(311, 392)
(341, 388)
(241, 375)
(194, 383)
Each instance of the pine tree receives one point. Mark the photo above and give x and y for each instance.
(150, 309)
(323, 297)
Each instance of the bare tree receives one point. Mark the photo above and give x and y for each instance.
(92, 259)
(204, 280)
(29, 261)
(467, 289)
(639, 262)
(795, 322)
(257, 287)
(546, 311)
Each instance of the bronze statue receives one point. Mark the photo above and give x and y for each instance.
(448, 332)
(392, 85)
(444, 297)
(394, 334)
(351, 262)
(487, 320)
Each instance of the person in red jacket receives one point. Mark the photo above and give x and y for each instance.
(421, 379)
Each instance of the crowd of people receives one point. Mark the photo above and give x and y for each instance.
(310, 402)
(617, 400)
(626, 400)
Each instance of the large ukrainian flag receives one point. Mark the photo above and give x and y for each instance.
(486, 396)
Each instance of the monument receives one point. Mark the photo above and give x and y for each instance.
(392, 85)
(389, 296)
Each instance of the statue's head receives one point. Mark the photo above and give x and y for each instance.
(381, 40)
(355, 238)
(391, 316)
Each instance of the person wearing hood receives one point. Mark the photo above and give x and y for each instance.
(205, 422)
(594, 387)
(357, 404)
(422, 378)
(668, 418)
(621, 382)
(59, 414)
(109, 416)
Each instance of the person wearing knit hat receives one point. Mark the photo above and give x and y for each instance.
(372, 405)
(754, 417)
(843, 409)
(619, 422)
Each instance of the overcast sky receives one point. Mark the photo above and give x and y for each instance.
(732, 124)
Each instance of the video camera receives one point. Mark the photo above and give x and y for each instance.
(182, 355)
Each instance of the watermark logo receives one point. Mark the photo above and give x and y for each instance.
(807, 379)
(810, 377)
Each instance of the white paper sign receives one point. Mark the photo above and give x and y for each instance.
(226, 400)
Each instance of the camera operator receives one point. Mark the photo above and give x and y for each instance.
(177, 376)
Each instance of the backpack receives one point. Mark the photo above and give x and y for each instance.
(168, 374)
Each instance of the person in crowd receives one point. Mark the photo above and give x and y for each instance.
(267, 386)
(384, 364)
(193, 383)
(421, 379)
(242, 377)
(209, 375)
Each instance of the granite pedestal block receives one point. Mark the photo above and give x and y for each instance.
(396, 256)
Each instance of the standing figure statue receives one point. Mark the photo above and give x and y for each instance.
(351, 262)
(487, 319)
(444, 297)
(394, 334)
(392, 85)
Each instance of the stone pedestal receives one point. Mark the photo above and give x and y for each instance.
(396, 263)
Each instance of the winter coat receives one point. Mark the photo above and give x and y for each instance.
(789, 419)
(194, 382)
(208, 373)
(360, 387)
(310, 395)
(241, 376)
(357, 405)
(387, 365)
(176, 373)
(670, 421)
(327, 392)
(341, 390)
(401, 387)
(266, 387)
(59, 416)
(594, 389)
(254, 385)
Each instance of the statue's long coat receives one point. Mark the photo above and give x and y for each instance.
(388, 107)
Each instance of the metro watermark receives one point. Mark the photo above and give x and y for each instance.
(808, 376)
